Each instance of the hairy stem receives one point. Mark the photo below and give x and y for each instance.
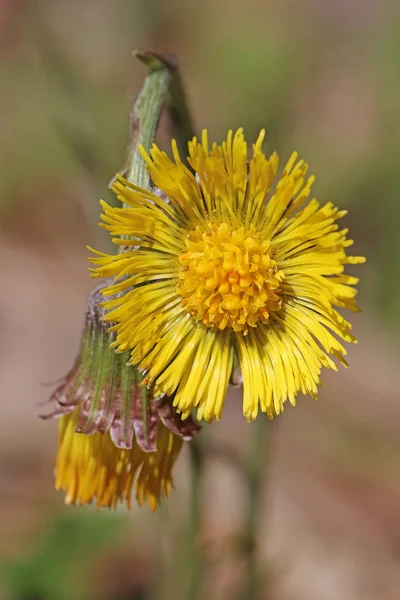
(255, 469)
(193, 560)
(146, 115)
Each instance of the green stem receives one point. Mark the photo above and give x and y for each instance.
(193, 560)
(146, 115)
(255, 469)
(162, 81)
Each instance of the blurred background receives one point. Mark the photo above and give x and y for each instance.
(323, 78)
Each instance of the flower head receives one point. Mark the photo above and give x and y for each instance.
(113, 434)
(91, 467)
(232, 262)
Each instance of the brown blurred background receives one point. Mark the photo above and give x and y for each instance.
(323, 77)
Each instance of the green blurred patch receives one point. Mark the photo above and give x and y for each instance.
(256, 77)
(57, 567)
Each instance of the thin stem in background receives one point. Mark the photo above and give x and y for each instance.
(255, 468)
(193, 559)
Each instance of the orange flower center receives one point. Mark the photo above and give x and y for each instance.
(228, 278)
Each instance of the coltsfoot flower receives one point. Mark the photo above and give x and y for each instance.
(113, 434)
(230, 263)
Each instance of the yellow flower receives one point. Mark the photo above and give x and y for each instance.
(91, 467)
(232, 261)
(113, 433)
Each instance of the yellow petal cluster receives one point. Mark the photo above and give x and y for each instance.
(91, 467)
(237, 260)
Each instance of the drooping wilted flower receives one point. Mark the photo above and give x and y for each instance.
(91, 466)
(234, 262)
(113, 434)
